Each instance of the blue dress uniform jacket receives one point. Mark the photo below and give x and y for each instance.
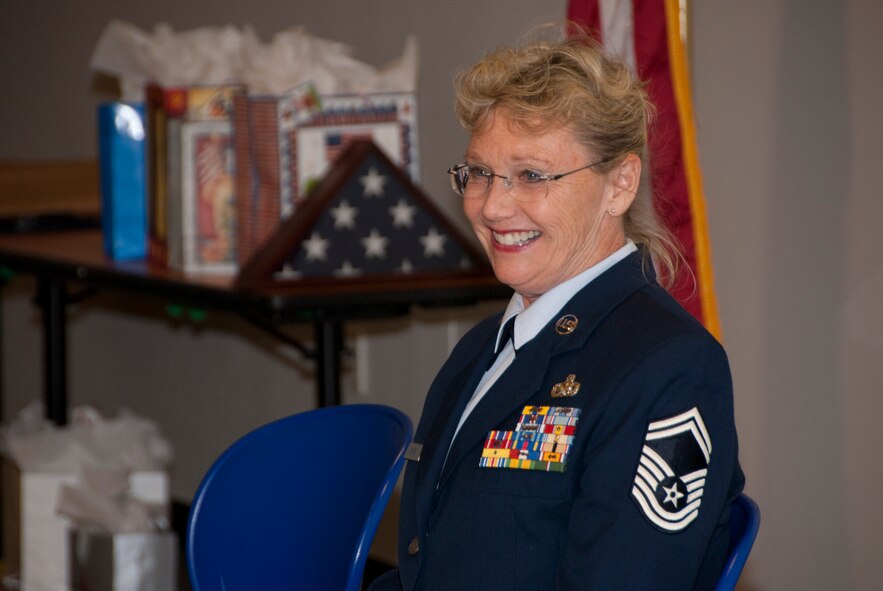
(639, 359)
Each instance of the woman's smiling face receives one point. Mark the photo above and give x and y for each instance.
(537, 244)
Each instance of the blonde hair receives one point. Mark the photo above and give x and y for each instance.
(573, 82)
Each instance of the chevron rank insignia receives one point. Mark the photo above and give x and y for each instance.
(542, 440)
(670, 478)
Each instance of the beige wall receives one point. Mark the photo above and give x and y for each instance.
(787, 97)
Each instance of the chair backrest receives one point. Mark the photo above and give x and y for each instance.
(744, 523)
(295, 503)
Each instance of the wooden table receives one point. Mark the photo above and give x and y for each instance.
(66, 261)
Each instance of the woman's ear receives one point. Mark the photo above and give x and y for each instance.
(624, 180)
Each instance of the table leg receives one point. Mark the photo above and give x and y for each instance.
(51, 297)
(329, 347)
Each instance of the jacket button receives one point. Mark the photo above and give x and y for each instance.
(413, 547)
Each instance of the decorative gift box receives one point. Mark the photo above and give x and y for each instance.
(35, 538)
(123, 562)
(121, 141)
(285, 145)
(112, 470)
(190, 187)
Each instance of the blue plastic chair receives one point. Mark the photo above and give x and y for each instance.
(295, 503)
(744, 523)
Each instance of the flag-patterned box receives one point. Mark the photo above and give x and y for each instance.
(285, 144)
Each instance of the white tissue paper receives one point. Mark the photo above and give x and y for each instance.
(294, 57)
(106, 474)
(229, 55)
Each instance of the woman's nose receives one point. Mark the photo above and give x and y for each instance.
(498, 201)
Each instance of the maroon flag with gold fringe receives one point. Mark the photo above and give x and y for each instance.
(648, 35)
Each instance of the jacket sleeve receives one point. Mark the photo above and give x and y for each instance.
(657, 475)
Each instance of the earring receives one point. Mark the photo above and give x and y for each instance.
(612, 212)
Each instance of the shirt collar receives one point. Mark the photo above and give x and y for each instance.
(533, 318)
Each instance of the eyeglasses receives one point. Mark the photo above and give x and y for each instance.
(474, 182)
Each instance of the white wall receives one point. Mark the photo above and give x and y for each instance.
(786, 95)
(787, 99)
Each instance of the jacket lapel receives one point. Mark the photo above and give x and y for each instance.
(453, 395)
(518, 383)
(527, 374)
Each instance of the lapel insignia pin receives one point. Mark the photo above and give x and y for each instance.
(567, 388)
(566, 324)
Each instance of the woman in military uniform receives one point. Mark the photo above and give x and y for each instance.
(584, 438)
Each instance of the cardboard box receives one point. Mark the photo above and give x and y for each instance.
(123, 562)
(35, 539)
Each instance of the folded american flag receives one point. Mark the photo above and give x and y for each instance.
(364, 219)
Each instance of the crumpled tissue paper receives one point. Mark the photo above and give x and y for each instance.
(102, 474)
(101, 500)
(127, 442)
(230, 55)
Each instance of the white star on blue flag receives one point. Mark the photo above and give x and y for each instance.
(375, 245)
(375, 224)
(373, 183)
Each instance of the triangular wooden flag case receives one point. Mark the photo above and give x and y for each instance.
(365, 225)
